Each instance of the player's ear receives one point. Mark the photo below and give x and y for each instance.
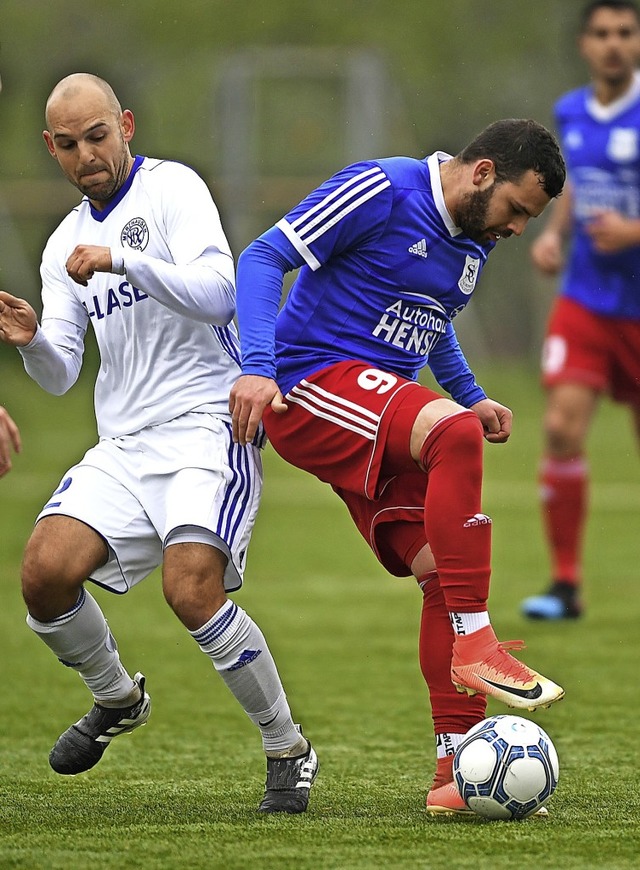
(127, 125)
(48, 138)
(484, 173)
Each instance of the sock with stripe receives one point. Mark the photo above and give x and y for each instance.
(240, 654)
(82, 641)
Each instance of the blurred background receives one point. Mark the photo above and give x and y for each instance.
(266, 99)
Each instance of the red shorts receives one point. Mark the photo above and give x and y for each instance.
(586, 348)
(350, 425)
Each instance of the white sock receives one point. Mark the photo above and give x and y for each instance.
(467, 623)
(81, 639)
(446, 744)
(240, 654)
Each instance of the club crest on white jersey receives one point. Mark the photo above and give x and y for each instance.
(467, 281)
(135, 234)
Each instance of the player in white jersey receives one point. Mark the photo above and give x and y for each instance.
(145, 260)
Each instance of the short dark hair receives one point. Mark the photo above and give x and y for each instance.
(517, 145)
(614, 5)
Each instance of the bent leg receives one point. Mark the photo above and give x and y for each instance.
(60, 554)
(194, 588)
(458, 533)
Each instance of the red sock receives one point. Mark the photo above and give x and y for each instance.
(458, 533)
(564, 487)
(452, 712)
(444, 772)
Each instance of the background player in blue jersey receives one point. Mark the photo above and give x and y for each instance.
(389, 251)
(593, 335)
(9, 437)
(144, 260)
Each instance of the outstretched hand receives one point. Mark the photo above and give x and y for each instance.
(496, 420)
(18, 321)
(249, 396)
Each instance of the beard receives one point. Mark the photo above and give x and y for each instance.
(471, 216)
(103, 191)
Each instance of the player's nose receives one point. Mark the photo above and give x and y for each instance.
(86, 153)
(517, 226)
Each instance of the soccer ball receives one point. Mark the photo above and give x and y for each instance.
(506, 768)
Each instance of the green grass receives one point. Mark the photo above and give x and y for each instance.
(182, 792)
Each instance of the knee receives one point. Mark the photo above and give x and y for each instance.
(194, 598)
(458, 438)
(562, 434)
(47, 590)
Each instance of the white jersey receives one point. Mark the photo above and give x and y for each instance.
(162, 318)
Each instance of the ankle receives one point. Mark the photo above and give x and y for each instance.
(301, 747)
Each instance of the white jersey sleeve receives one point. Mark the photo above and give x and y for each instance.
(53, 358)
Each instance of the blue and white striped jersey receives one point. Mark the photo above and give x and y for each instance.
(601, 145)
(384, 270)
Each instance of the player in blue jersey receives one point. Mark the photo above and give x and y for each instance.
(592, 346)
(9, 437)
(143, 258)
(389, 251)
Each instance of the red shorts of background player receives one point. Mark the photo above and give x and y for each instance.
(586, 348)
(350, 425)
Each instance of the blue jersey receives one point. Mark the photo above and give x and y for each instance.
(601, 147)
(384, 270)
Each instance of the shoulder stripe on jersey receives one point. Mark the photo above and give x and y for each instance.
(334, 199)
(335, 206)
(345, 211)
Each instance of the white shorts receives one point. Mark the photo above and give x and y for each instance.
(136, 489)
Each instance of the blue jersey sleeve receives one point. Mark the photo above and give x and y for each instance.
(451, 370)
(260, 273)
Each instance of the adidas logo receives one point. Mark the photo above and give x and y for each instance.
(420, 248)
(245, 658)
(477, 520)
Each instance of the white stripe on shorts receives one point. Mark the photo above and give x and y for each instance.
(336, 409)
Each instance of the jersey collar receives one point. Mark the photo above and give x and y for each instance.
(608, 113)
(120, 195)
(433, 162)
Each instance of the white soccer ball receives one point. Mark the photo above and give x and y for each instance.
(506, 768)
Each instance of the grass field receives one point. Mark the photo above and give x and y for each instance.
(182, 792)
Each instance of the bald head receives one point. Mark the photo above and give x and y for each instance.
(78, 88)
(88, 133)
